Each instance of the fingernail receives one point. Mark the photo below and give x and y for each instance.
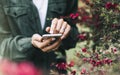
(53, 39)
(51, 31)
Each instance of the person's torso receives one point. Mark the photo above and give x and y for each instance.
(23, 17)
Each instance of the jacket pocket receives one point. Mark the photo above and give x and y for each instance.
(58, 7)
(15, 11)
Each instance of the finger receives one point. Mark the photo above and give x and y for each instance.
(56, 48)
(67, 30)
(45, 43)
(48, 48)
(34, 43)
(36, 37)
(53, 49)
(48, 29)
(41, 45)
(59, 24)
(63, 27)
(53, 25)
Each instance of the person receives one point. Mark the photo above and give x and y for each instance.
(22, 24)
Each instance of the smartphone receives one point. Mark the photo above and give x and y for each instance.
(51, 36)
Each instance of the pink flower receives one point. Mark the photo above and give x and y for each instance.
(27, 69)
(84, 50)
(114, 50)
(10, 68)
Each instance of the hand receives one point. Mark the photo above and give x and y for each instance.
(44, 45)
(59, 26)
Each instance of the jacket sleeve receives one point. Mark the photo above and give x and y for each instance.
(71, 40)
(13, 48)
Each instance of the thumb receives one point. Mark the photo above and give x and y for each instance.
(48, 29)
(37, 37)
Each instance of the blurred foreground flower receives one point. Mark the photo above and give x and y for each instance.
(24, 68)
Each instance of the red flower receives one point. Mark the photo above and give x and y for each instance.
(98, 63)
(97, 56)
(107, 61)
(110, 5)
(115, 50)
(82, 36)
(61, 66)
(114, 5)
(71, 64)
(93, 62)
(83, 71)
(74, 15)
(85, 18)
(85, 59)
(116, 26)
(73, 72)
(84, 50)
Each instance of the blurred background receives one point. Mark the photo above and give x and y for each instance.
(98, 50)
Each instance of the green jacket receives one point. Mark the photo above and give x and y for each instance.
(19, 20)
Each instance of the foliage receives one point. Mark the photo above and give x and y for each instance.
(104, 21)
(97, 52)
